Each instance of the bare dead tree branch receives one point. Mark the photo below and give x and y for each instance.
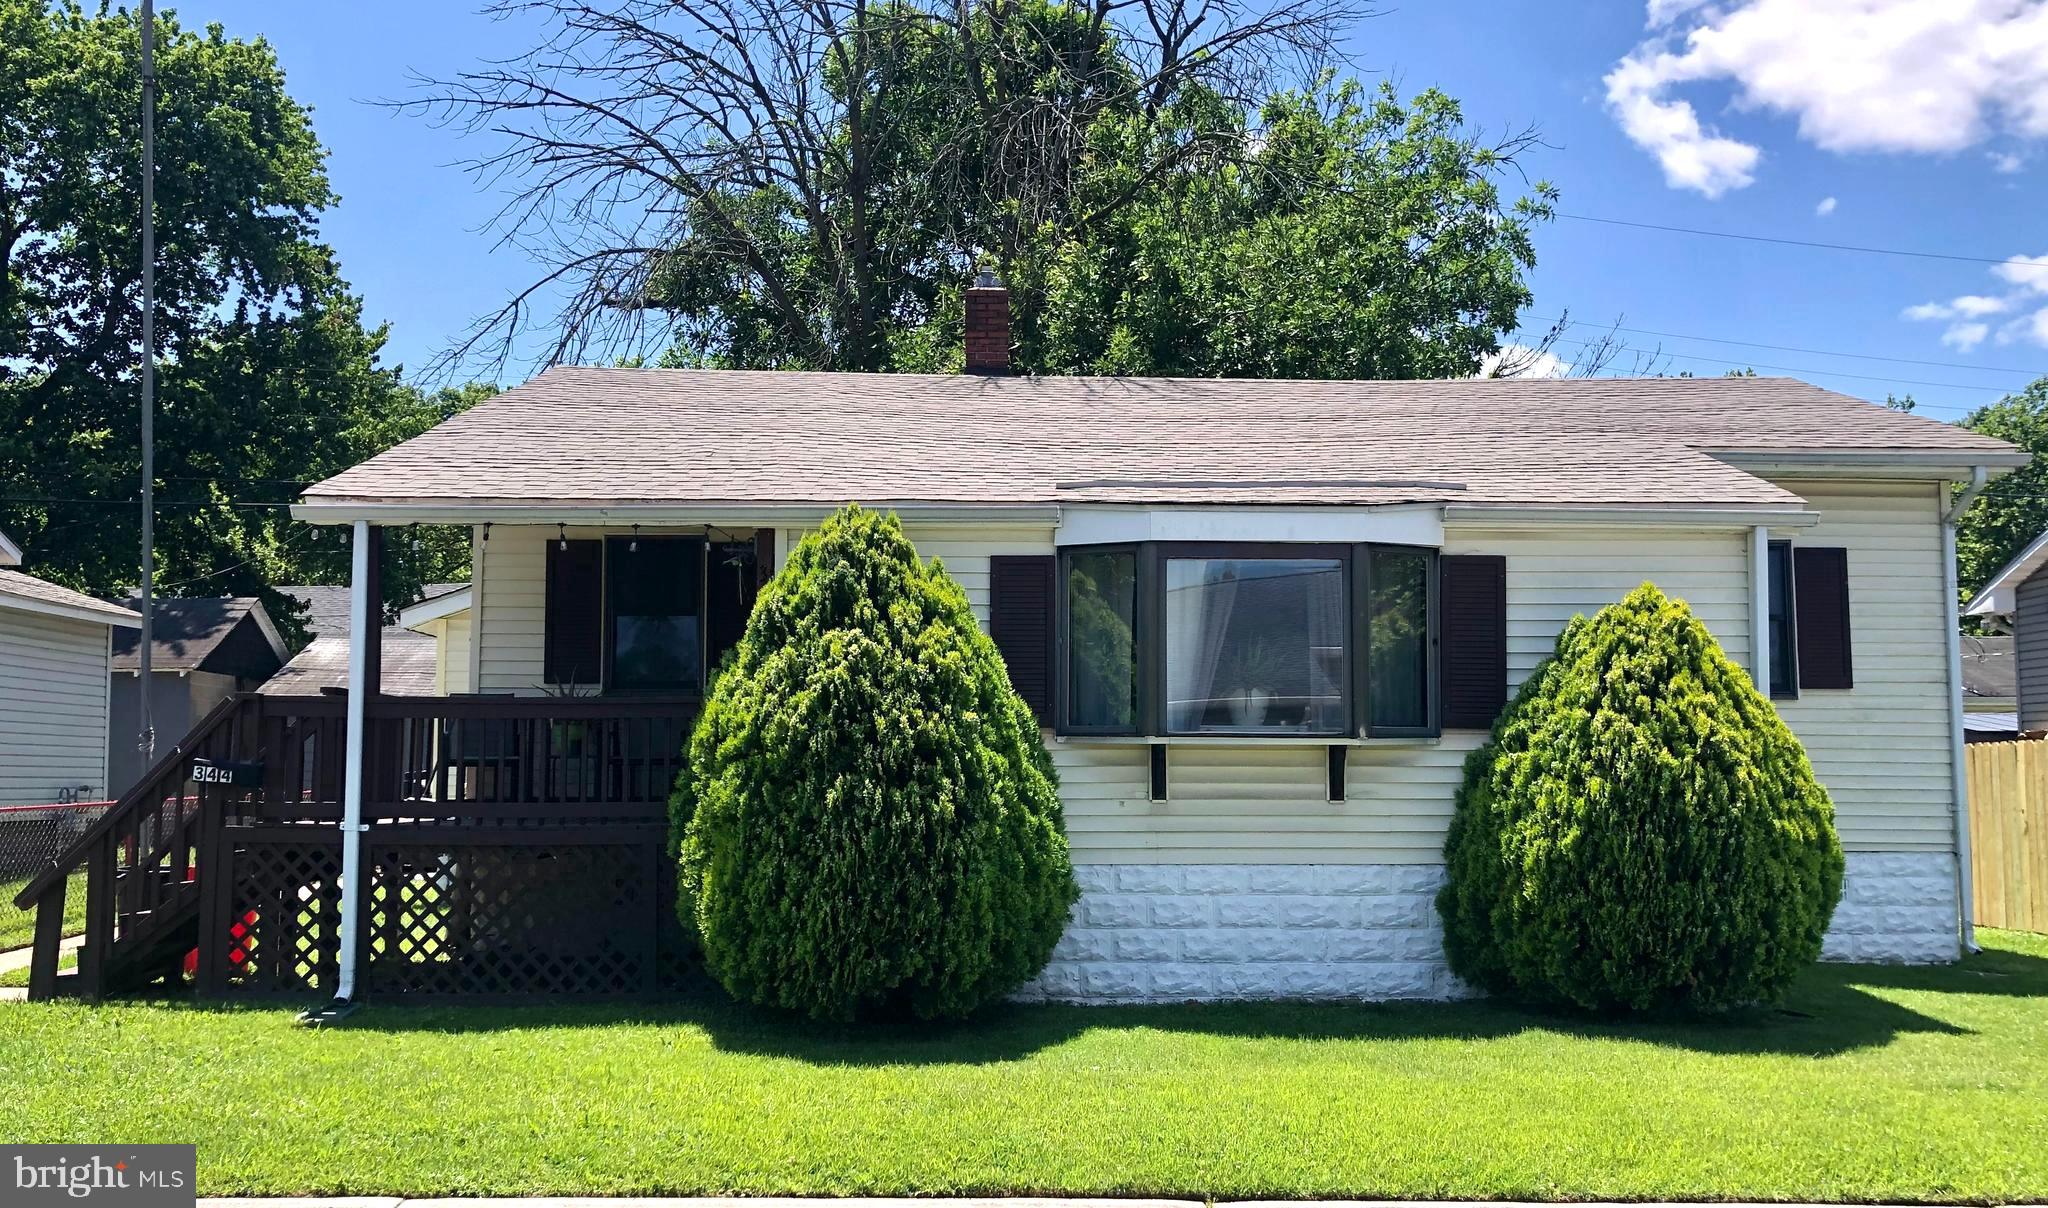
(788, 144)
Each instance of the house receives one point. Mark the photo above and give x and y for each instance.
(2015, 601)
(411, 657)
(202, 651)
(1262, 622)
(54, 655)
(1990, 689)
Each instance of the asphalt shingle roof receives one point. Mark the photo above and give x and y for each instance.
(19, 586)
(613, 436)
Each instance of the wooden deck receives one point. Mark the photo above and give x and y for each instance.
(513, 847)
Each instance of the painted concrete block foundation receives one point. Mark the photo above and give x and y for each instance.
(1176, 932)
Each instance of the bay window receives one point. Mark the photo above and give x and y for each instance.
(1278, 640)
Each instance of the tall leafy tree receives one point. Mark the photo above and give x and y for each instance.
(2013, 510)
(1167, 187)
(268, 378)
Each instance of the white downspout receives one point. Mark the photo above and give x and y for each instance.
(1958, 772)
(360, 619)
(1760, 608)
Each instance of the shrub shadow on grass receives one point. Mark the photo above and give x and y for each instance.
(1832, 1010)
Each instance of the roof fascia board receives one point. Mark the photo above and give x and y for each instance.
(1851, 463)
(10, 553)
(1484, 516)
(447, 604)
(1997, 597)
(737, 515)
(1400, 524)
(261, 615)
(70, 612)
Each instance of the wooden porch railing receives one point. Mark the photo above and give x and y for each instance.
(141, 858)
(446, 771)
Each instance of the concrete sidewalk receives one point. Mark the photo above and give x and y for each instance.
(891, 1202)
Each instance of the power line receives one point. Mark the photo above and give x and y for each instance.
(1832, 247)
(1819, 352)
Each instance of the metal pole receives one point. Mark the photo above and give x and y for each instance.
(361, 615)
(146, 739)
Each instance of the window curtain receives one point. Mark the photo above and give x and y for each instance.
(1197, 622)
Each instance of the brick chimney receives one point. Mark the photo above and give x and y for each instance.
(988, 325)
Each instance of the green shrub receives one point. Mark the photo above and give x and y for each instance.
(1641, 830)
(869, 819)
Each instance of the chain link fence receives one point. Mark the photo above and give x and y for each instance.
(31, 837)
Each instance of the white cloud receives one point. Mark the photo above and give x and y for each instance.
(1693, 157)
(2027, 272)
(1523, 361)
(1857, 75)
(2007, 162)
(1964, 314)
(1825, 208)
(1964, 336)
(1968, 306)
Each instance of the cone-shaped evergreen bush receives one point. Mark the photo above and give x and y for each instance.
(870, 821)
(1641, 830)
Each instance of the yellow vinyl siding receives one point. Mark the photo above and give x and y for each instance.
(1882, 747)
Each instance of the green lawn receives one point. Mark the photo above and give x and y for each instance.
(1874, 1084)
(18, 927)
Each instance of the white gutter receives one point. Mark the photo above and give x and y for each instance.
(1760, 608)
(1479, 515)
(721, 515)
(1958, 773)
(352, 769)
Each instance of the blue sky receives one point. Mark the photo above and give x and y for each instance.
(1926, 122)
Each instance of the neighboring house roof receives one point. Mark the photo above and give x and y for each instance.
(593, 437)
(1991, 723)
(229, 635)
(327, 608)
(2000, 596)
(435, 605)
(1990, 669)
(407, 664)
(26, 593)
(407, 667)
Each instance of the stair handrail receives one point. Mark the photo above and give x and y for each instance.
(146, 789)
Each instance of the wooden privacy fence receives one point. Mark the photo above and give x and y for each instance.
(2009, 833)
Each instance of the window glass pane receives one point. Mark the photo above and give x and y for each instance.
(1255, 644)
(1399, 621)
(654, 606)
(1784, 656)
(1102, 666)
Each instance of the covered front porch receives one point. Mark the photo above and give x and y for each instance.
(502, 844)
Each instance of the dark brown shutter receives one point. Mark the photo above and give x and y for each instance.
(1020, 604)
(574, 641)
(1474, 649)
(1820, 609)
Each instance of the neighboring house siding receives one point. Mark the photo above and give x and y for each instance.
(452, 651)
(53, 708)
(2030, 647)
(1882, 748)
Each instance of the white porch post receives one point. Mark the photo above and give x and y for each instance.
(1760, 608)
(362, 613)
